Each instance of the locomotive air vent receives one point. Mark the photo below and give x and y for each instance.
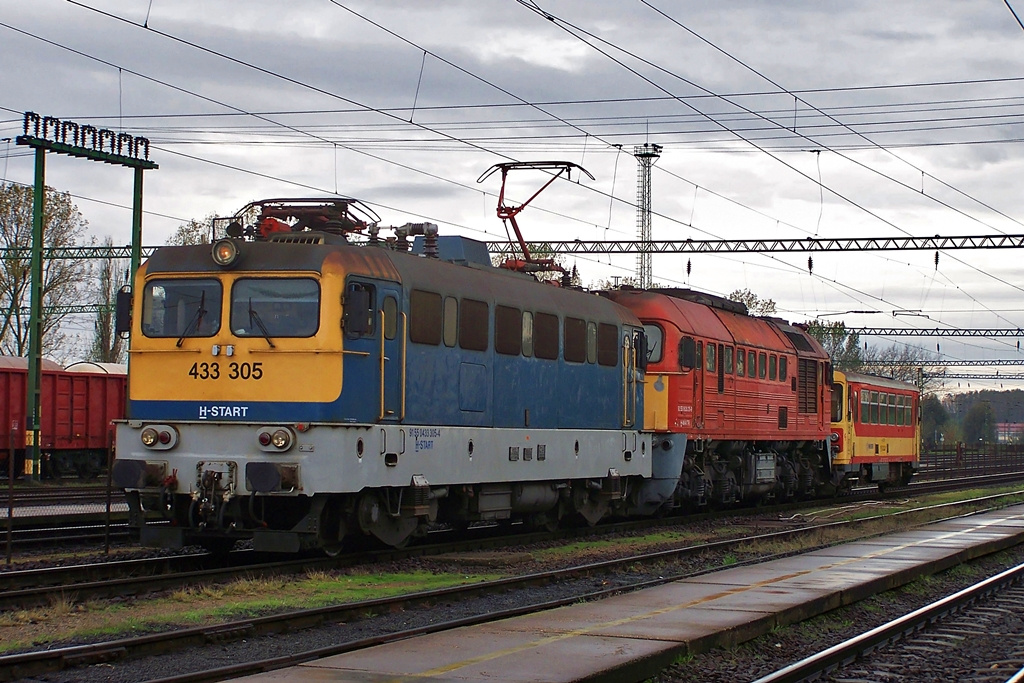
(308, 237)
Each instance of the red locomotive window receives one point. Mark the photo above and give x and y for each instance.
(762, 365)
(607, 345)
(473, 333)
(740, 357)
(508, 330)
(655, 342)
(700, 356)
(545, 336)
(751, 363)
(773, 367)
(782, 368)
(728, 360)
(709, 361)
(688, 356)
(575, 336)
(424, 317)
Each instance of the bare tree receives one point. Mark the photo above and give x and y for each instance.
(842, 346)
(192, 232)
(107, 347)
(63, 279)
(755, 304)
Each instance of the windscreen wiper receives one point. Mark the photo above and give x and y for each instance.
(196, 320)
(254, 317)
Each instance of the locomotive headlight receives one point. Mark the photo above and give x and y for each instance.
(275, 439)
(225, 252)
(149, 436)
(281, 439)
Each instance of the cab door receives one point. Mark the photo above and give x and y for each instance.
(374, 328)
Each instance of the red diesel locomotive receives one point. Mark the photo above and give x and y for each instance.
(751, 394)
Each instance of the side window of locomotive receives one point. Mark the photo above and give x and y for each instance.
(357, 317)
(728, 360)
(751, 364)
(508, 330)
(545, 336)
(473, 332)
(451, 321)
(773, 367)
(575, 336)
(527, 333)
(284, 307)
(607, 345)
(591, 342)
(655, 341)
(688, 353)
(709, 359)
(782, 368)
(390, 309)
(762, 363)
(424, 317)
(741, 356)
(699, 356)
(181, 308)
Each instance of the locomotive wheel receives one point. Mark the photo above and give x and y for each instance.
(374, 519)
(590, 508)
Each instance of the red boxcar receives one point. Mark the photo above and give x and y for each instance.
(77, 406)
(751, 395)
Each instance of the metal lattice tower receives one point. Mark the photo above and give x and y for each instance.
(646, 154)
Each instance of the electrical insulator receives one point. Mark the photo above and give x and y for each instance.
(688, 267)
(810, 264)
(936, 259)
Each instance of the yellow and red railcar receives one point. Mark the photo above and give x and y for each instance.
(876, 429)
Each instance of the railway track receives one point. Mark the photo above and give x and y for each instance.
(573, 584)
(935, 641)
(20, 589)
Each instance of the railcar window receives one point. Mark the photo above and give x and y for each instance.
(473, 321)
(508, 330)
(277, 307)
(592, 342)
(527, 334)
(181, 308)
(837, 402)
(709, 361)
(728, 360)
(607, 345)
(855, 407)
(575, 337)
(762, 365)
(773, 367)
(782, 368)
(741, 355)
(900, 417)
(865, 407)
(655, 341)
(751, 364)
(892, 409)
(390, 309)
(424, 317)
(545, 336)
(451, 321)
(874, 408)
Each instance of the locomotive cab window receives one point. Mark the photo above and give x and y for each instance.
(181, 308)
(837, 402)
(655, 340)
(390, 310)
(688, 357)
(279, 307)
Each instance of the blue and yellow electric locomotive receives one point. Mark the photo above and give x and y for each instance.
(306, 380)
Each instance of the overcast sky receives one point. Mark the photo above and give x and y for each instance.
(777, 118)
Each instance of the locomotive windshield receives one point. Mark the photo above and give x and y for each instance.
(181, 308)
(275, 307)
